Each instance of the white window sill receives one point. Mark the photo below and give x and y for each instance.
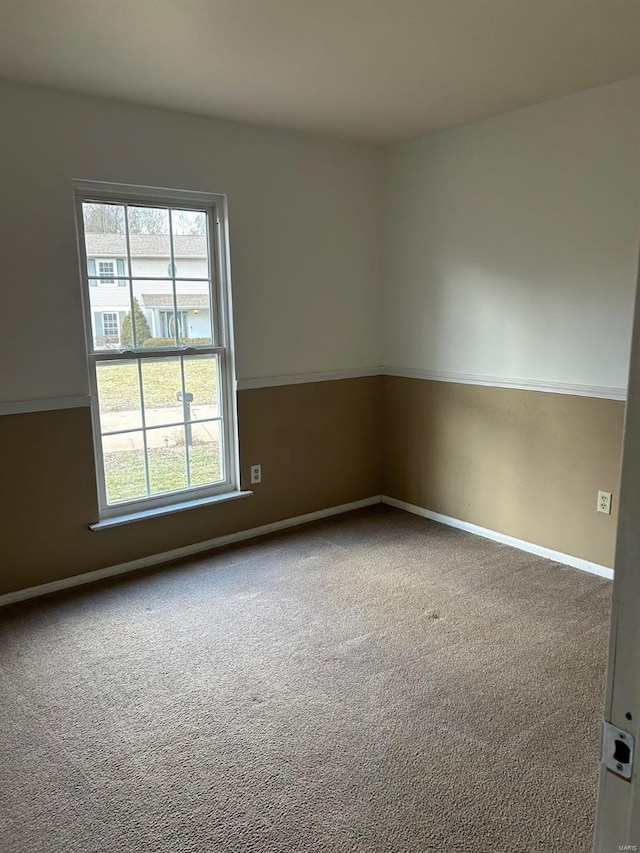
(118, 520)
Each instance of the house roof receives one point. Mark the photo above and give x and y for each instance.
(165, 300)
(147, 245)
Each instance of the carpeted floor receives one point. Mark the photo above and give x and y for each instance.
(374, 682)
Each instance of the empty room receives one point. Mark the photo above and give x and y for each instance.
(320, 426)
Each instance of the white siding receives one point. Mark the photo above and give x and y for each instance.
(187, 267)
(116, 298)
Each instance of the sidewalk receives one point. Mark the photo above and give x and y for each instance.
(167, 437)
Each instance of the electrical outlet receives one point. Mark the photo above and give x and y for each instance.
(604, 502)
(256, 474)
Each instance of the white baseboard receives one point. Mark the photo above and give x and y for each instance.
(556, 556)
(185, 551)
(220, 541)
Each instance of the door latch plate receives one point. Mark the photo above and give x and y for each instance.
(617, 750)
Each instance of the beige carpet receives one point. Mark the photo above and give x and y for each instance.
(375, 682)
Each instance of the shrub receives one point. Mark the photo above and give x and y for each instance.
(143, 332)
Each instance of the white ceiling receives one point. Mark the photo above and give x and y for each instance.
(377, 70)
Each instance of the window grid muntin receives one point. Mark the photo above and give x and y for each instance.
(220, 329)
(145, 445)
(187, 458)
(129, 279)
(164, 280)
(110, 433)
(172, 261)
(146, 428)
(132, 307)
(213, 258)
(204, 487)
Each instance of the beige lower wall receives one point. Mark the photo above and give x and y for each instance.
(525, 463)
(317, 444)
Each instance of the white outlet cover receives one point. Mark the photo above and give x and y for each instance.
(256, 474)
(604, 502)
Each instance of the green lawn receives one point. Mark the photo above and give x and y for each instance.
(125, 478)
(118, 386)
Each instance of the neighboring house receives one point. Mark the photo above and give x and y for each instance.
(152, 275)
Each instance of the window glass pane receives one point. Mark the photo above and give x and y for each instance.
(118, 395)
(201, 380)
(194, 310)
(167, 459)
(104, 237)
(105, 246)
(190, 243)
(149, 241)
(124, 471)
(205, 453)
(162, 388)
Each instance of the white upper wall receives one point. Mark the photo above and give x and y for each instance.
(512, 243)
(304, 219)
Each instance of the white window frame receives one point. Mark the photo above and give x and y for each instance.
(109, 281)
(215, 205)
(115, 314)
